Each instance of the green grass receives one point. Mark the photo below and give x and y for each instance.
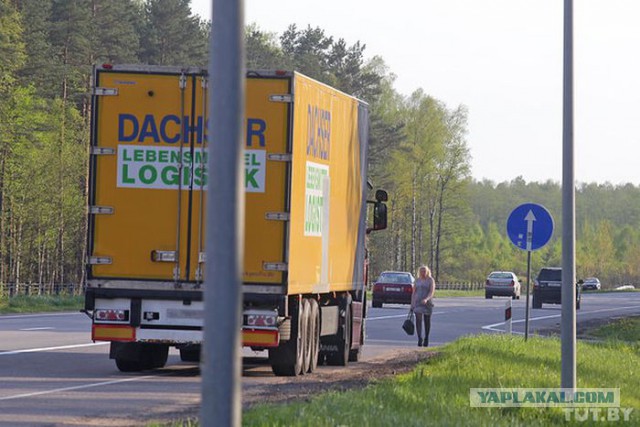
(627, 329)
(447, 293)
(40, 303)
(444, 293)
(437, 391)
(610, 291)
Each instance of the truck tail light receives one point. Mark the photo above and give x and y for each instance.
(266, 320)
(110, 315)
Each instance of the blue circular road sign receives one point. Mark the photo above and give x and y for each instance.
(530, 226)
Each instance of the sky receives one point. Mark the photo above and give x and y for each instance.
(503, 60)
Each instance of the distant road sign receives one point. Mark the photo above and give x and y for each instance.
(530, 226)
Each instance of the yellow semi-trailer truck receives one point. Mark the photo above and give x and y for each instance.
(305, 261)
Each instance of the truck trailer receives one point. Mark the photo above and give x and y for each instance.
(307, 215)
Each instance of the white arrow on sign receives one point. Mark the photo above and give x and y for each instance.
(530, 218)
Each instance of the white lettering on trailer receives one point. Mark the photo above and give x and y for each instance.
(314, 199)
(154, 167)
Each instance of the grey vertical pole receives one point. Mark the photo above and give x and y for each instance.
(526, 310)
(568, 323)
(221, 367)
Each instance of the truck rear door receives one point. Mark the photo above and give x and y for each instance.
(147, 127)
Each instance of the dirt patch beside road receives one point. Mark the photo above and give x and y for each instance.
(330, 378)
(260, 386)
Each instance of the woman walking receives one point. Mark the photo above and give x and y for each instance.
(422, 304)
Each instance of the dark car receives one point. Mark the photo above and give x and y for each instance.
(393, 287)
(547, 288)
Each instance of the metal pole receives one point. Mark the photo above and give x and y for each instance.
(568, 324)
(221, 363)
(526, 310)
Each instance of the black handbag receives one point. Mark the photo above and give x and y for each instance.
(408, 325)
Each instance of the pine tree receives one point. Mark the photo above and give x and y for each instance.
(116, 39)
(172, 35)
(37, 70)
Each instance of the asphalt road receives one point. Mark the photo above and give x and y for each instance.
(51, 374)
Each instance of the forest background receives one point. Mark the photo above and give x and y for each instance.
(438, 214)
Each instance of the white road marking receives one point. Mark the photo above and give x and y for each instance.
(37, 329)
(62, 347)
(79, 387)
(492, 327)
(397, 316)
(25, 316)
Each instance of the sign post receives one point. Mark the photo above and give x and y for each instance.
(529, 228)
(568, 323)
(221, 349)
(507, 317)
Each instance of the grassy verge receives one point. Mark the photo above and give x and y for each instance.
(446, 293)
(611, 291)
(437, 392)
(40, 303)
(627, 329)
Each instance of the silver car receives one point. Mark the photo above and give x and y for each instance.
(502, 283)
(591, 283)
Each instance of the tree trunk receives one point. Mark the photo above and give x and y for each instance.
(413, 220)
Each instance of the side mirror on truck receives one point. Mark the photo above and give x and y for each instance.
(379, 211)
(379, 216)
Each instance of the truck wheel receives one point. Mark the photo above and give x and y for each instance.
(341, 356)
(536, 303)
(306, 336)
(376, 304)
(314, 327)
(159, 356)
(126, 365)
(136, 357)
(287, 359)
(190, 353)
(488, 296)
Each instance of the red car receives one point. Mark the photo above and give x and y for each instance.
(393, 287)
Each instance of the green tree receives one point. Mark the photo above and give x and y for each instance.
(37, 70)
(263, 50)
(116, 39)
(172, 35)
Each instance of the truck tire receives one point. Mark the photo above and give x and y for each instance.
(536, 303)
(306, 336)
(376, 304)
(314, 322)
(136, 357)
(286, 360)
(341, 356)
(190, 353)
